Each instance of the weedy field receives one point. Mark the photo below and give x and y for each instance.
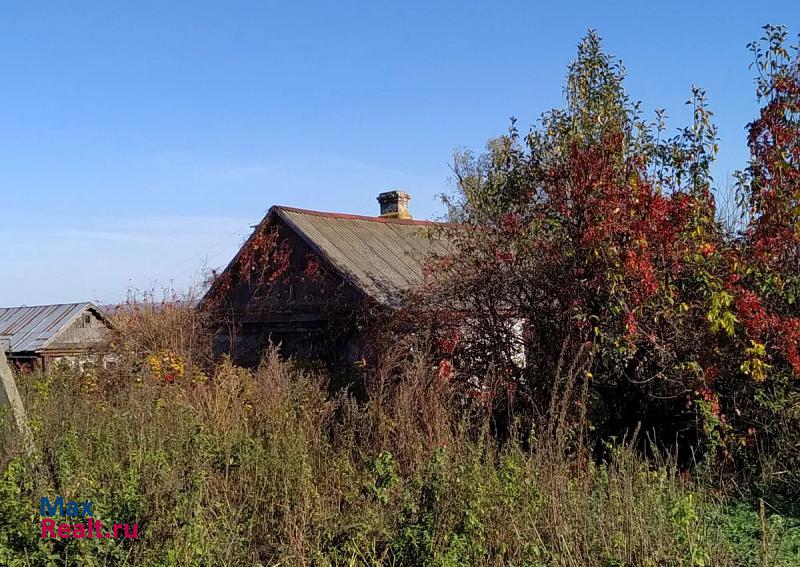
(268, 467)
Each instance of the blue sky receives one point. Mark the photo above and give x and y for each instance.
(140, 141)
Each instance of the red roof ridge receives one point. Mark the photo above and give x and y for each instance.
(358, 217)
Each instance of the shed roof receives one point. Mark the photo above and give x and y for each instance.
(381, 256)
(30, 329)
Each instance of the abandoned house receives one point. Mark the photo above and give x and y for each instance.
(43, 335)
(304, 280)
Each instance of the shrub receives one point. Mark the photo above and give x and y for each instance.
(589, 249)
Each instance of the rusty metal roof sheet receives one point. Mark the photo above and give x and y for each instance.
(30, 329)
(381, 256)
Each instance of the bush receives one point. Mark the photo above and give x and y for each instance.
(590, 250)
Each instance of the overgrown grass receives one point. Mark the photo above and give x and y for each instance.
(268, 468)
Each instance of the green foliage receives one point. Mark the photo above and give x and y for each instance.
(757, 540)
(384, 470)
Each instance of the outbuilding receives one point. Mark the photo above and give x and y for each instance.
(39, 336)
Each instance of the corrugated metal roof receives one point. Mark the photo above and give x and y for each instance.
(381, 256)
(29, 329)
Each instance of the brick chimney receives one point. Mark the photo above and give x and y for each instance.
(394, 205)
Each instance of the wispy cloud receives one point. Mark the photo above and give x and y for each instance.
(58, 261)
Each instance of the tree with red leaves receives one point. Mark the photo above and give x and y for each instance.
(601, 234)
(766, 280)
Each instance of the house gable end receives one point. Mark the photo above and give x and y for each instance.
(87, 330)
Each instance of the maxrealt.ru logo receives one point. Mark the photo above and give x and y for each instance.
(87, 528)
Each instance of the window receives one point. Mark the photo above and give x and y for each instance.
(87, 319)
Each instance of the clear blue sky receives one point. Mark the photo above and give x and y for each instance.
(140, 141)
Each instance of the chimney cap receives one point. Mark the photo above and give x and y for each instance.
(390, 195)
(394, 204)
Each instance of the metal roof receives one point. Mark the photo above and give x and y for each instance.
(381, 256)
(30, 329)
